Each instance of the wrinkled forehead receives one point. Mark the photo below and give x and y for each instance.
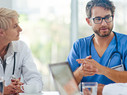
(15, 20)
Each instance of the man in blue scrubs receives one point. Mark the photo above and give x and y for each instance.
(101, 57)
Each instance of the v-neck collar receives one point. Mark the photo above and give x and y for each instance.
(106, 54)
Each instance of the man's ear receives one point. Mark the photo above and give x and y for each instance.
(1, 32)
(113, 16)
(88, 21)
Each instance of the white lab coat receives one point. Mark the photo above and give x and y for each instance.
(24, 65)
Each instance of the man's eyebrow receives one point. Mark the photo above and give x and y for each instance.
(102, 17)
(108, 15)
(97, 17)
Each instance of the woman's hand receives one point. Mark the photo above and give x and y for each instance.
(13, 87)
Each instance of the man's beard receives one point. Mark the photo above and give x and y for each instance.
(107, 33)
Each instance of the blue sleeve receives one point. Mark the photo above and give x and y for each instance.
(123, 45)
(73, 55)
(125, 61)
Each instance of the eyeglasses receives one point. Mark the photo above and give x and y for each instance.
(98, 20)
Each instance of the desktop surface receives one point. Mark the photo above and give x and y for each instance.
(43, 93)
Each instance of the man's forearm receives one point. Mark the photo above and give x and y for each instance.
(78, 74)
(114, 75)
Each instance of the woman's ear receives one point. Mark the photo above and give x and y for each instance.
(88, 21)
(1, 32)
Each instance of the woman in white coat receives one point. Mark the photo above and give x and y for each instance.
(15, 57)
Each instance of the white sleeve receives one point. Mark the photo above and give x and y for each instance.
(115, 89)
(29, 70)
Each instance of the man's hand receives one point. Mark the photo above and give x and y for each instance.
(86, 68)
(98, 66)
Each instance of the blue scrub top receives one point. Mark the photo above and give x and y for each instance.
(81, 50)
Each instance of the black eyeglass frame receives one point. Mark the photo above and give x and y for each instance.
(108, 16)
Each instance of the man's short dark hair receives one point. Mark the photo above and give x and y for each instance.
(108, 5)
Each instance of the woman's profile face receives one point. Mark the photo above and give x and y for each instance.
(13, 32)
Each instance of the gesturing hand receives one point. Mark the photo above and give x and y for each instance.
(87, 69)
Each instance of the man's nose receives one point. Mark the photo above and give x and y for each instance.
(103, 22)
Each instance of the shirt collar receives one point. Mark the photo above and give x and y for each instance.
(13, 48)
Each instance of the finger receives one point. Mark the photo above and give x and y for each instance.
(12, 92)
(88, 60)
(16, 79)
(89, 67)
(89, 73)
(19, 78)
(14, 83)
(91, 70)
(12, 80)
(19, 89)
(17, 82)
(84, 61)
(80, 60)
(91, 62)
(89, 57)
(20, 83)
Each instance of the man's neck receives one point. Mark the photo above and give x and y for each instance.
(103, 41)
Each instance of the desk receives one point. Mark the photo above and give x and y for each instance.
(50, 93)
(43, 93)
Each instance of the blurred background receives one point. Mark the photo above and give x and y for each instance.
(51, 26)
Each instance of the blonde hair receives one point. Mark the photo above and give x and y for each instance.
(6, 16)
